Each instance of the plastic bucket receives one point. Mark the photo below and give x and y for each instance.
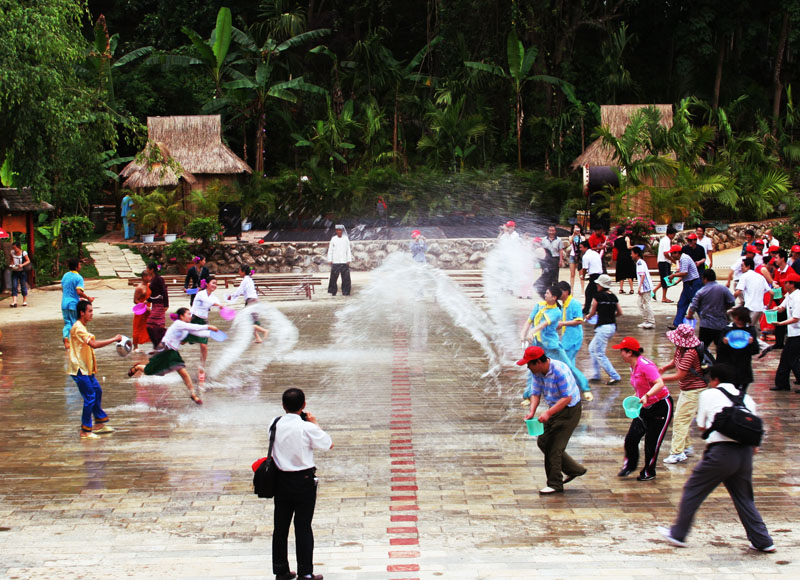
(217, 335)
(227, 313)
(191, 291)
(534, 427)
(689, 322)
(592, 320)
(632, 406)
(738, 338)
(777, 293)
(671, 281)
(124, 346)
(772, 316)
(140, 308)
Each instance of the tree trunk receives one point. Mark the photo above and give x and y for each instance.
(260, 145)
(718, 76)
(777, 85)
(519, 130)
(394, 133)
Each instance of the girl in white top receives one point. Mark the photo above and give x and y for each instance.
(204, 301)
(247, 289)
(575, 254)
(169, 359)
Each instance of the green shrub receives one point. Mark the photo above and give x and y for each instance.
(179, 250)
(204, 229)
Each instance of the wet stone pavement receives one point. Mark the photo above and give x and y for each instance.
(432, 475)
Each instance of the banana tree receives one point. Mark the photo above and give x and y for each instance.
(518, 74)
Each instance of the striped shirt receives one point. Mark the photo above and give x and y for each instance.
(687, 264)
(559, 382)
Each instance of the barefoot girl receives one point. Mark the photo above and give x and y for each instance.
(247, 289)
(204, 301)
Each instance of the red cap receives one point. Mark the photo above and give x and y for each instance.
(511, 224)
(675, 249)
(751, 249)
(531, 353)
(773, 249)
(791, 276)
(630, 343)
(692, 236)
(758, 243)
(796, 248)
(416, 233)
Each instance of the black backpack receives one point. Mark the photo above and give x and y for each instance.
(737, 422)
(706, 362)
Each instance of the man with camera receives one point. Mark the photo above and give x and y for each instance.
(296, 436)
(554, 381)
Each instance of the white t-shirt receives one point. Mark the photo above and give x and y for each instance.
(203, 303)
(592, 262)
(664, 245)
(19, 260)
(339, 250)
(753, 287)
(712, 402)
(643, 276)
(792, 304)
(707, 244)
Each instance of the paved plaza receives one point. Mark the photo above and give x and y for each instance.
(431, 475)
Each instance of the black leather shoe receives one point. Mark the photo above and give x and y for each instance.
(311, 577)
(286, 576)
(571, 477)
(625, 472)
(780, 389)
(644, 477)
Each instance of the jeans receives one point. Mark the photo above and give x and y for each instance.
(597, 350)
(19, 278)
(295, 497)
(688, 292)
(92, 395)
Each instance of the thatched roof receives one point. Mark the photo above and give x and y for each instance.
(616, 118)
(21, 200)
(154, 167)
(193, 142)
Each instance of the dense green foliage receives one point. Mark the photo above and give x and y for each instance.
(365, 96)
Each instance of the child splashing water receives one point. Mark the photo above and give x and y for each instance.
(247, 289)
(168, 359)
(204, 301)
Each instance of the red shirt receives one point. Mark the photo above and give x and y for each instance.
(597, 242)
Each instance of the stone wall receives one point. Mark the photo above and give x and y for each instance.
(297, 257)
(734, 235)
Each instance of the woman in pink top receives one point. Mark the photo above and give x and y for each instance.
(656, 413)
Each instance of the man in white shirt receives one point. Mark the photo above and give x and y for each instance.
(736, 270)
(790, 355)
(724, 461)
(770, 242)
(591, 265)
(645, 288)
(664, 262)
(705, 241)
(339, 258)
(296, 436)
(751, 288)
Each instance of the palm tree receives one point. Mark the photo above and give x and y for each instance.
(452, 133)
(520, 65)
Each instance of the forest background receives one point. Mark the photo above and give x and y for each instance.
(439, 107)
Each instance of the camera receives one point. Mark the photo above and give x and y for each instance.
(303, 415)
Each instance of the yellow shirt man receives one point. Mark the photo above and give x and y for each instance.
(81, 355)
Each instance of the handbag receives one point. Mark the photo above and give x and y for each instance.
(265, 472)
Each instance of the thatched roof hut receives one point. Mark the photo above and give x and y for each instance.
(616, 118)
(188, 148)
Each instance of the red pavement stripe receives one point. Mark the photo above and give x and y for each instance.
(404, 488)
(403, 568)
(403, 498)
(399, 518)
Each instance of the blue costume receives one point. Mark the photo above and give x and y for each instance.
(572, 336)
(548, 339)
(127, 213)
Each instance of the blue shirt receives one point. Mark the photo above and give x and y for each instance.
(70, 283)
(687, 264)
(572, 336)
(559, 382)
(418, 249)
(711, 303)
(127, 206)
(548, 336)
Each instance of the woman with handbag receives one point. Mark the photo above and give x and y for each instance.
(20, 262)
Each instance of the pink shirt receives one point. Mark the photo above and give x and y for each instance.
(644, 374)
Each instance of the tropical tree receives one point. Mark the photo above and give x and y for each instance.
(518, 74)
(451, 133)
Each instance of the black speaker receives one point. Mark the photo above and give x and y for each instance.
(230, 218)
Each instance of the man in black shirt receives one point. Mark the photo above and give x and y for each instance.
(696, 252)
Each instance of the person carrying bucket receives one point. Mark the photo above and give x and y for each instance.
(655, 413)
(541, 329)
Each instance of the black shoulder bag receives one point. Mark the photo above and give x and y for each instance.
(266, 472)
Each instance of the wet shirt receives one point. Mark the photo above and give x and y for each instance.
(572, 336)
(559, 382)
(81, 355)
(711, 303)
(606, 308)
(203, 302)
(644, 375)
(70, 282)
(688, 359)
(295, 441)
(548, 336)
(179, 330)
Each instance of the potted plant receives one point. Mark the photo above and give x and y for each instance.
(158, 212)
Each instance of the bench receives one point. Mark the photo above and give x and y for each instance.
(284, 286)
(470, 281)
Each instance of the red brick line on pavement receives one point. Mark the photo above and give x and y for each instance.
(403, 467)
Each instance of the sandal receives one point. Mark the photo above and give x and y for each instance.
(195, 398)
(132, 371)
(667, 301)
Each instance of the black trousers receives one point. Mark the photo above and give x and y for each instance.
(652, 424)
(790, 362)
(591, 292)
(780, 331)
(344, 270)
(709, 336)
(295, 496)
(732, 465)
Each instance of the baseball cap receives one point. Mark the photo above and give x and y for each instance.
(416, 233)
(796, 248)
(511, 224)
(773, 249)
(751, 249)
(629, 343)
(531, 353)
(791, 276)
(675, 248)
(758, 243)
(692, 236)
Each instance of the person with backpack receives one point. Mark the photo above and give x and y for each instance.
(688, 366)
(725, 460)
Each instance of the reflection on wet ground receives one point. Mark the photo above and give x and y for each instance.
(431, 475)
